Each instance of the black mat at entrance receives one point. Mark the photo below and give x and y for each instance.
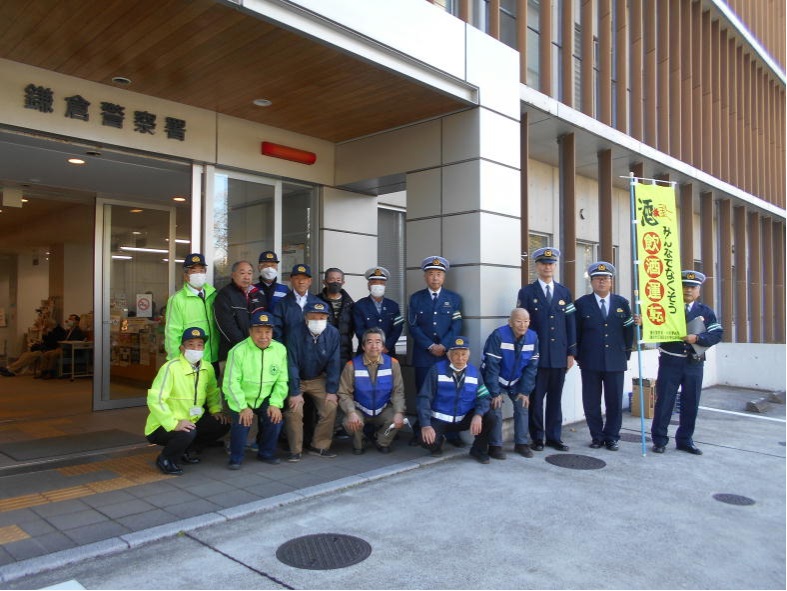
(34, 449)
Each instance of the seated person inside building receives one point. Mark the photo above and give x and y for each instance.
(50, 359)
(50, 341)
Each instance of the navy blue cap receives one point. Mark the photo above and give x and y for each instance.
(692, 277)
(548, 254)
(301, 269)
(435, 262)
(268, 256)
(261, 318)
(601, 268)
(459, 343)
(194, 259)
(317, 308)
(194, 332)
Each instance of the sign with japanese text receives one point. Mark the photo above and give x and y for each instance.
(658, 252)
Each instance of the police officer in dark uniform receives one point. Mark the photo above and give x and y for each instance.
(681, 365)
(605, 333)
(377, 311)
(552, 317)
(268, 267)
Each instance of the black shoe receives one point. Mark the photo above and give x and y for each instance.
(341, 435)
(595, 444)
(692, 449)
(168, 466)
(537, 446)
(523, 449)
(190, 458)
(479, 455)
(6, 372)
(458, 442)
(658, 449)
(612, 445)
(293, 457)
(323, 453)
(383, 449)
(358, 451)
(415, 441)
(436, 451)
(496, 452)
(558, 445)
(274, 461)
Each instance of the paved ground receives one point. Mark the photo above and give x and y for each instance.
(639, 523)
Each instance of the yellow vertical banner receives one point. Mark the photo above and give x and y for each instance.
(658, 252)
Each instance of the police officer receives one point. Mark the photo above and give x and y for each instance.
(453, 399)
(377, 311)
(268, 267)
(680, 365)
(552, 317)
(510, 366)
(605, 333)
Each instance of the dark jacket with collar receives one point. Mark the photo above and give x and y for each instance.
(232, 310)
(604, 344)
(343, 322)
(554, 323)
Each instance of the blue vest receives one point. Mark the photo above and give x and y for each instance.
(371, 398)
(450, 403)
(511, 364)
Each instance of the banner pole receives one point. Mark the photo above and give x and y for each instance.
(637, 308)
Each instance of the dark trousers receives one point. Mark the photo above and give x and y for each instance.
(481, 441)
(267, 435)
(674, 373)
(546, 399)
(177, 442)
(612, 383)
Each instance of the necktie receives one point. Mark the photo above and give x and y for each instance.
(434, 300)
(687, 309)
(603, 308)
(202, 295)
(549, 294)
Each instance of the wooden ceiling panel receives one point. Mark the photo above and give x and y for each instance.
(210, 55)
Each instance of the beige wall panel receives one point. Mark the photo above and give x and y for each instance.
(543, 198)
(423, 193)
(352, 212)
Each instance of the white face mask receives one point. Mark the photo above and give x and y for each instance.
(377, 291)
(269, 273)
(197, 280)
(193, 355)
(317, 326)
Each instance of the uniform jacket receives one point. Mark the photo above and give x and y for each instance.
(178, 388)
(343, 323)
(273, 293)
(711, 336)
(253, 375)
(233, 310)
(186, 309)
(310, 358)
(604, 344)
(433, 324)
(504, 369)
(440, 397)
(389, 319)
(366, 386)
(554, 323)
(288, 314)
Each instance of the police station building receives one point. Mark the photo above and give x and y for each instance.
(348, 133)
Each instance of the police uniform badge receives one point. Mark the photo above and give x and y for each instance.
(690, 276)
(195, 259)
(319, 307)
(619, 310)
(377, 273)
(301, 269)
(561, 302)
(195, 332)
(602, 267)
(460, 342)
(269, 255)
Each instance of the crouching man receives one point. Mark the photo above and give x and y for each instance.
(255, 383)
(454, 398)
(371, 391)
(177, 399)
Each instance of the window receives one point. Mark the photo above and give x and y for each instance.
(586, 255)
(390, 251)
(299, 229)
(535, 241)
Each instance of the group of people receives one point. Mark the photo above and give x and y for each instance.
(263, 350)
(44, 354)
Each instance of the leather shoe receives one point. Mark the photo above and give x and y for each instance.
(692, 449)
(538, 446)
(496, 452)
(358, 451)
(273, 461)
(558, 445)
(167, 466)
(457, 442)
(612, 445)
(190, 458)
(383, 449)
(595, 444)
(523, 449)
(479, 455)
(658, 449)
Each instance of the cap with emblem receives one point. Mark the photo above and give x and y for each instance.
(548, 254)
(459, 343)
(194, 259)
(268, 256)
(692, 278)
(377, 273)
(261, 318)
(435, 262)
(316, 308)
(301, 270)
(601, 268)
(194, 332)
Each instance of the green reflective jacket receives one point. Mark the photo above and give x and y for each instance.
(253, 374)
(186, 309)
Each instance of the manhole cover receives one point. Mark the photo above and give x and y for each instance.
(576, 461)
(633, 438)
(323, 551)
(733, 499)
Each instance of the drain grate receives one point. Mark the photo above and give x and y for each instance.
(323, 551)
(733, 499)
(633, 438)
(576, 462)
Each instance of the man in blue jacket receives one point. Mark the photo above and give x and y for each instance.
(510, 364)
(268, 267)
(288, 312)
(453, 399)
(313, 360)
(681, 365)
(377, 311)
(605, 333)
(552, 317)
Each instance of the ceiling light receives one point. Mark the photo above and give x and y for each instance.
(180, 240)
(262, 102)
(179, 199)
(75, 161)
(135, 210)
(25, 199)
(138, 249)
(176, 260)
(120, 257)
(122, 80)
(136, 233)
